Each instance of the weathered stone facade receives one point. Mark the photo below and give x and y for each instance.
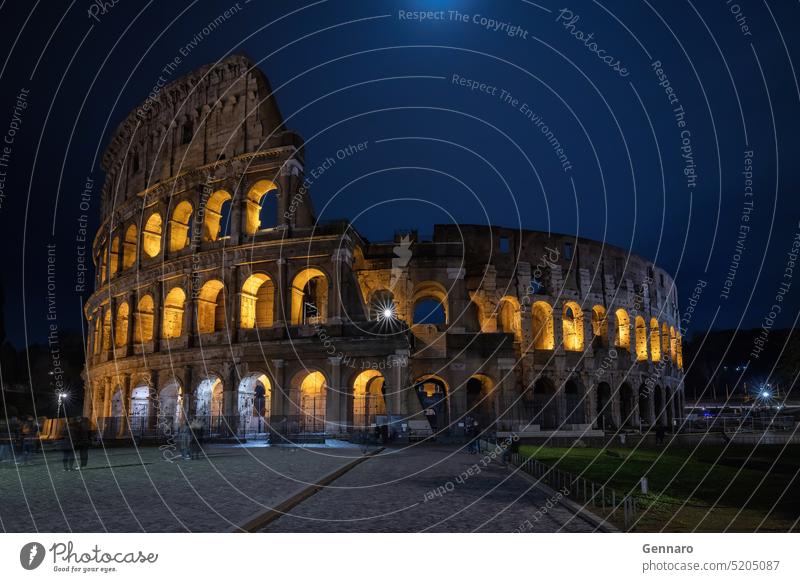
(206, 307)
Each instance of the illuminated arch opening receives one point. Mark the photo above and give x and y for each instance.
(129, 247)
(572, 326)
(679, 351)
(599, 326)
(255, 200)
(103, 264)
(255, 400)
(509, 317)
(114, 256)
(170, 404)
(143, 322)
(309, 297)
(151, 237)
(216, 216)
(209, 398)
(429, 304)
(313, 400)
(140, 402)
(623, 339)
(655, 341)
(211, 307)
(107, 330)
(174, 304)
(432, 392)
(673, 344)
(641, 338)
(121, 331)
(368, 401)
(180, 226)
(543, 327)
(665, 339)
(258, 301)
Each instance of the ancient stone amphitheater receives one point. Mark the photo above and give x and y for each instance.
(220, 298)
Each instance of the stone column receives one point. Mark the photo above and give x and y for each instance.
(112, 340)
(233, 298)
(154, 405)
(124, 426)
(340, 256)
(282, 292)
(236, 214)
(107, 397)
(129, 340)
(457, 396)
(333, 422)
(285, 219)
(158, 314)
(278, 396)
(398, 387)
(458, 299)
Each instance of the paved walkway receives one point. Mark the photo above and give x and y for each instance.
(428, 488)
(125, 490)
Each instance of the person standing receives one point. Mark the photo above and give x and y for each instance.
(185, 439)
(65, 443)
(82, 442)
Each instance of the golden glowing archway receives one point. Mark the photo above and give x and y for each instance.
(258, 299)
(313, 401)
(510, 317)
(151, 237)
(114, 256)
(107, 329)
(368, 401)
(121, 331)
(143, 322)
(641, 338)
(309, 297)
(130, 247)
(179, 226)
(600, 325)
(655, 340)
(212, 215)
(174, 304)
(255, 198)
(665, 339)
(673, 346)
(211, 307)
(543, 326)
(572, 326)
(623, 339)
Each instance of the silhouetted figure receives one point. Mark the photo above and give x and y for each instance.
(377, 434)
(65, 444)
(197, 439)
(82, 439)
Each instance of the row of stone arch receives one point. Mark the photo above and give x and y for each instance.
(188, 220)
(654, 341)
(257, 309)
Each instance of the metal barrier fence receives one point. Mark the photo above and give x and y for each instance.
(735, 423)
(609, 503)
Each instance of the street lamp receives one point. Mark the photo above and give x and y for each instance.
(62, 396)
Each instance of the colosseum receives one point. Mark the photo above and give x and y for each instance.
(220, 298)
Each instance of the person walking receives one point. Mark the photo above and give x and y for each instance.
(83, 440)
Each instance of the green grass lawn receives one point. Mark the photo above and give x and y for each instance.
(695, 491)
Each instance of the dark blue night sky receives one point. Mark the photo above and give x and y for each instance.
(347, 72)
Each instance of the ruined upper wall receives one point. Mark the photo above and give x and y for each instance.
(216, 112)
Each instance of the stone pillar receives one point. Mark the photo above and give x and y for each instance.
(107, 397)
(190, 317)
(154, 406)
(333, 422)
(129, 340)
(279, 393)
(458, 299)
(457, 396)
(189, 405)
(283, 303)
(397, 391)
(124, 426)
(233, 298)
(158, 314)
(237, 204)
(285, 217)
(341, 257)
(112, 340)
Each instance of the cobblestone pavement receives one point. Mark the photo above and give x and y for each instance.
(428, 488)
(123, 490)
